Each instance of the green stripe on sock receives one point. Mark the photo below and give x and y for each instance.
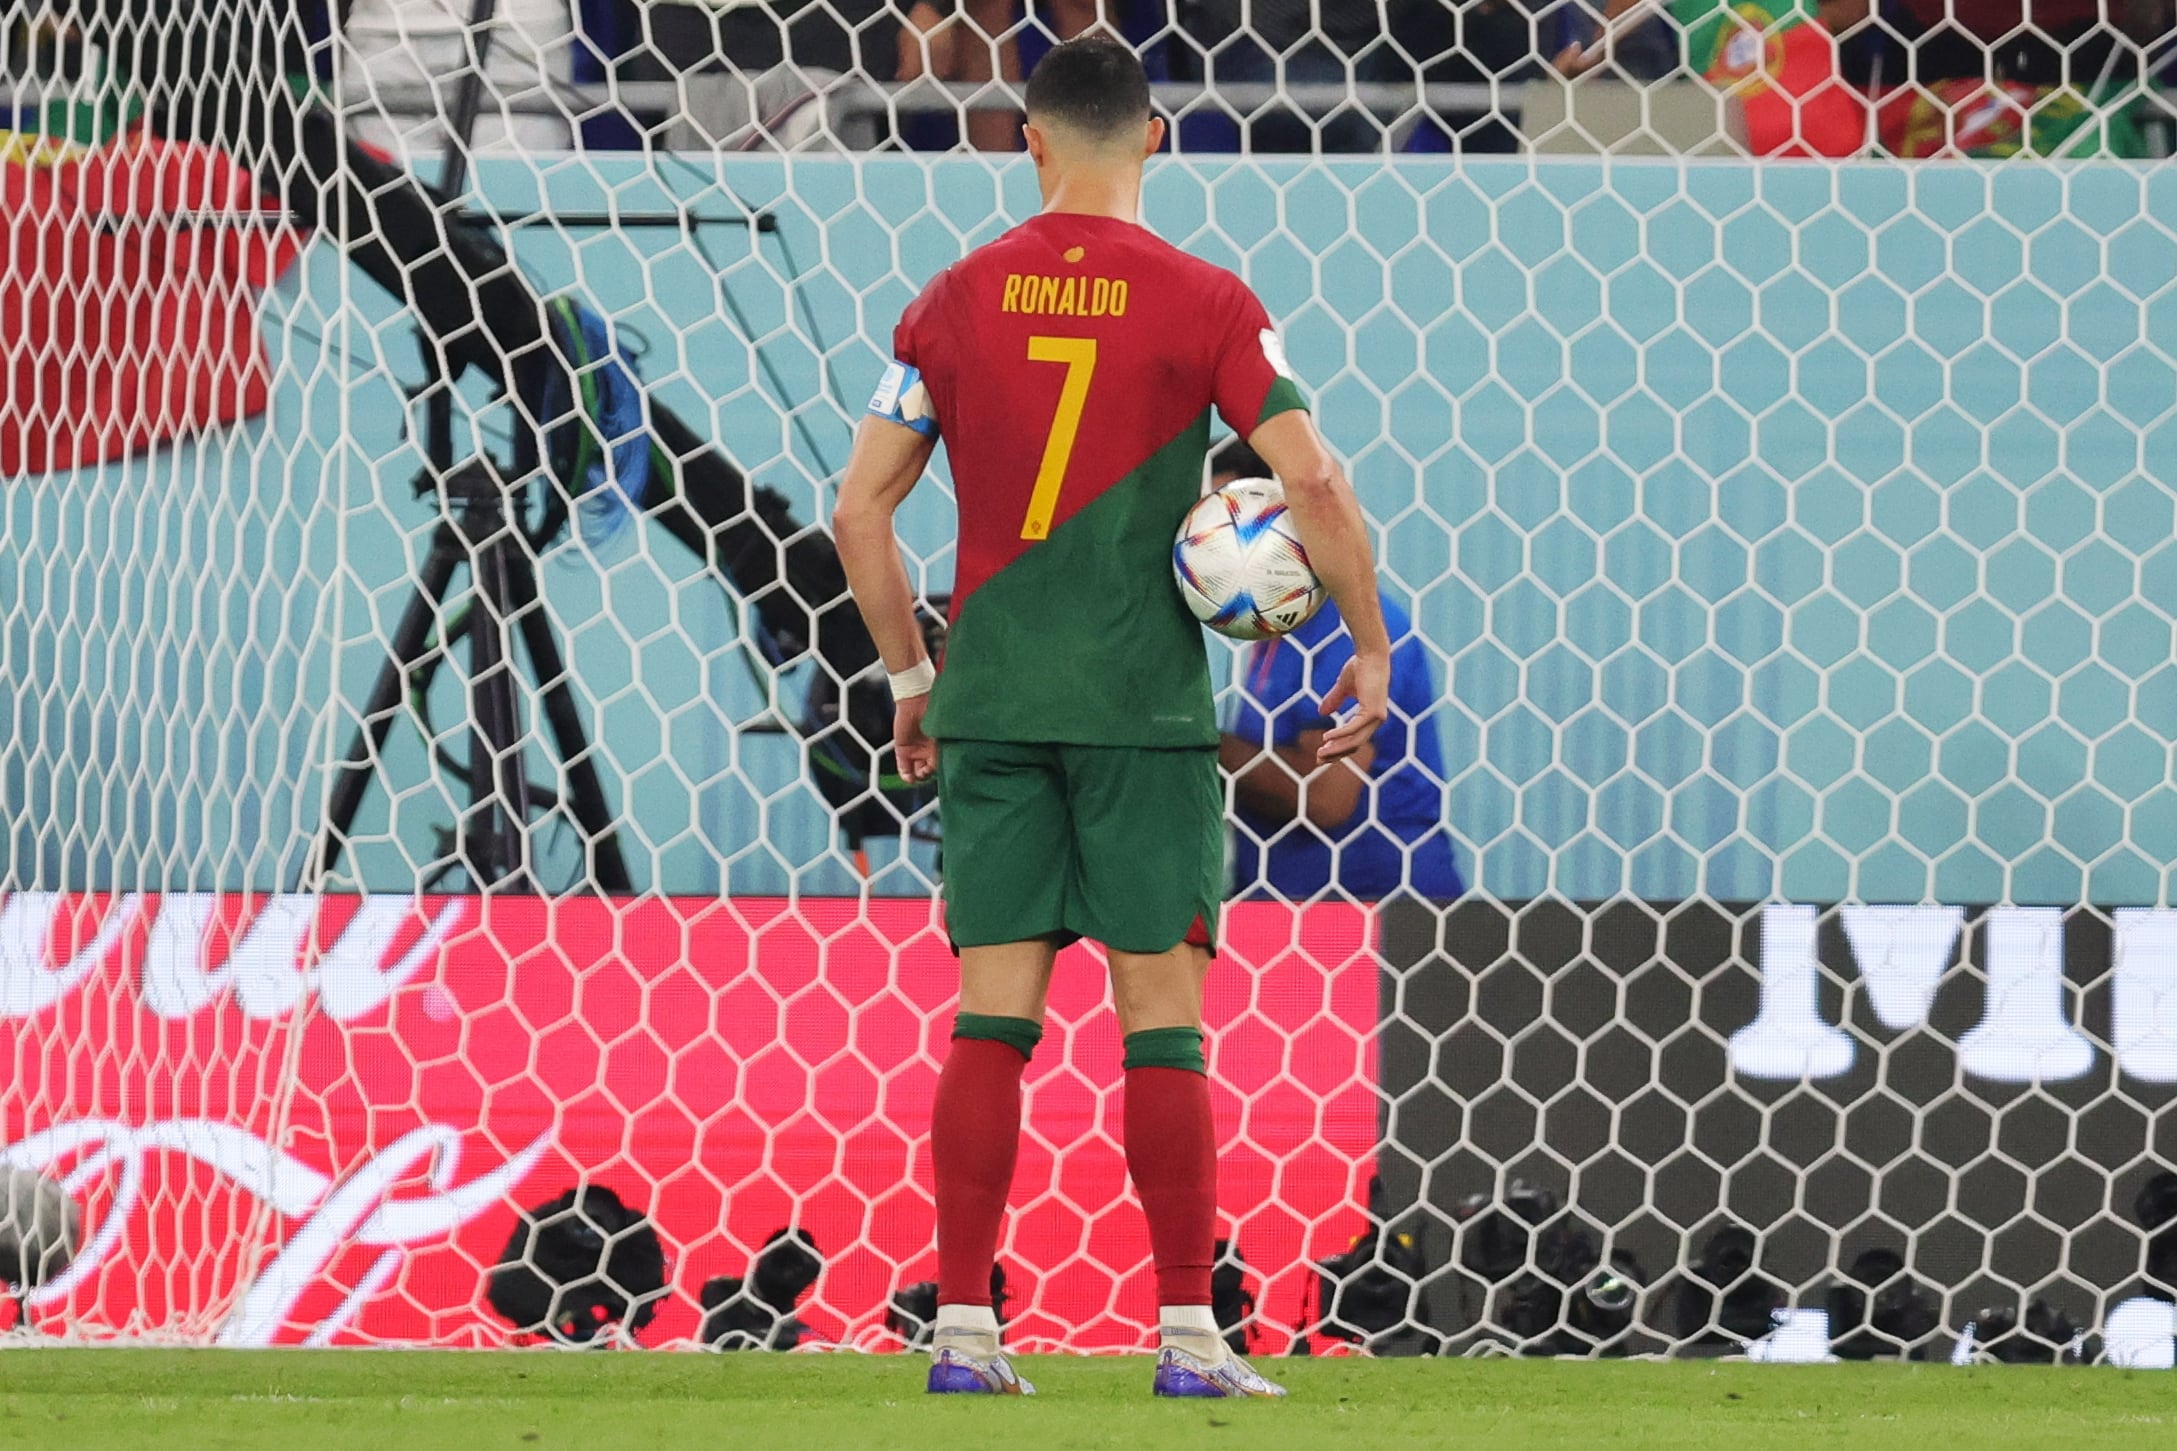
(1166, 1048)
(1016, 1033)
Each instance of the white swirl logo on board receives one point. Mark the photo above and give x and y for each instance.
(267, 968)
(334, 1214)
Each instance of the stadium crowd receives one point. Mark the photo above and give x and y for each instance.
(1827, 77)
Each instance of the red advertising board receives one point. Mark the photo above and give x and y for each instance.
(313, 1119)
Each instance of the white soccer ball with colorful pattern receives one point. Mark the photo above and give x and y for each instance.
(1240, 564)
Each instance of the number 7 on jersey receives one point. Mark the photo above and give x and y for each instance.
(1079, 356)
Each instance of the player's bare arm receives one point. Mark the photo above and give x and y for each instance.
(886, 464)
(1331, 527)
(1293, 783)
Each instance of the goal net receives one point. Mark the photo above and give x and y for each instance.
(454, 891)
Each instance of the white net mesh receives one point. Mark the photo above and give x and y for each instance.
(450, 897)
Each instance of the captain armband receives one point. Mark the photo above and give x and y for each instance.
(902, 398)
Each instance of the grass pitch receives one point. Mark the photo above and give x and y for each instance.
(90, 1400)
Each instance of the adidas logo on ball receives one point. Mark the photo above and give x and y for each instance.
(1240, 564)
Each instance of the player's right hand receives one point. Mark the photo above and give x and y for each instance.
(912, 747)
(1364, 684)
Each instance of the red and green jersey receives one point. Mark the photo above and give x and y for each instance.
(1071, 366)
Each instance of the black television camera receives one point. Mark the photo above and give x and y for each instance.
(2156, 1211)
(2048, 1337)
(1372, 1295)
(1723, 1299)
(1230, 1301)
(912, 1313)
(579, 1268)
(1549, 1285)
(757, 1313)
(1878, 1309)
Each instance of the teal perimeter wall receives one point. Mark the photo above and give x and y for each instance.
(1796, 530)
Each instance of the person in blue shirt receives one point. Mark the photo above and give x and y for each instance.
(1373, 824)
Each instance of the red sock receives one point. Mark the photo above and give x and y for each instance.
(974, 1139)
(1171, 1152)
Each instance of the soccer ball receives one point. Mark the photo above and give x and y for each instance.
(1240, 564)
(41, 1228)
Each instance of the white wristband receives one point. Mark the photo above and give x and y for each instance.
(915, 680)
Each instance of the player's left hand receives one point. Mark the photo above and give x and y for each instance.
(1364, 684)
(912, 747)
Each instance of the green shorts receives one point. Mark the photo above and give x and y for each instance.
(1120, 844)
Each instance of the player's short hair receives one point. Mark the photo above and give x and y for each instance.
(1092, 85)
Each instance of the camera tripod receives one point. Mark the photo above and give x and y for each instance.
(211, 78)
(479, 525)
(473, 309)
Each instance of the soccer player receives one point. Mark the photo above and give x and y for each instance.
(1070, 367)
(1373, 827)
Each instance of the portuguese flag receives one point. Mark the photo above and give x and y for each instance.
(1781, 62)
(129, 273)
(2007, 118)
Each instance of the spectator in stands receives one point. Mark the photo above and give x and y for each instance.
(1371, 825)
(752, 36)
(1778, 59)
(1497, 43)
(972, 41)
(1293, 43)
(2080, 44)
(1646, 40)
(426, 47)
(780, 48)
(771, 73)
(1994, 78)
(2094, 47)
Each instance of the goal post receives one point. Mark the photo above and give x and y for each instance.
(440, 833)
